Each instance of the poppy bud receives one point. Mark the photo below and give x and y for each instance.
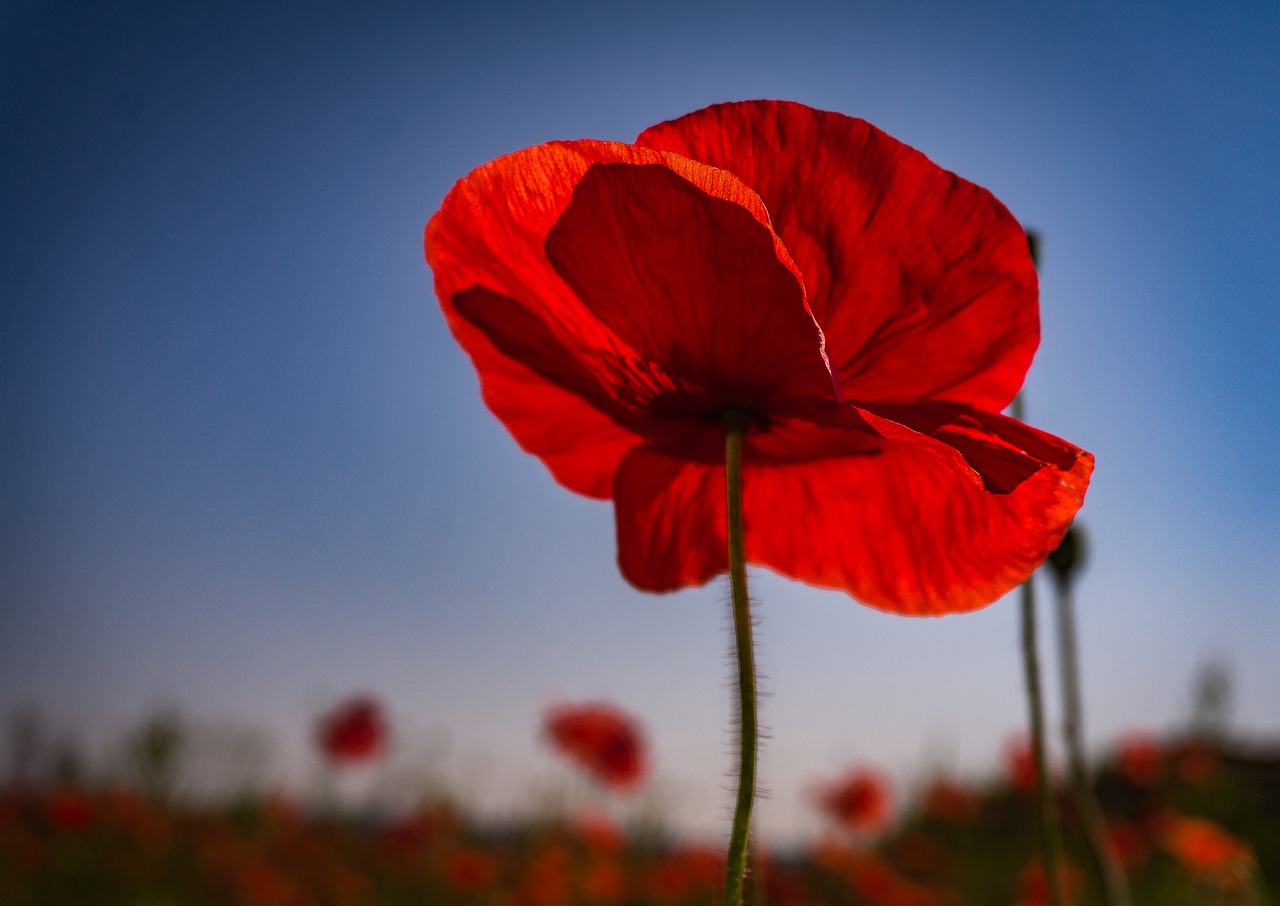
(1068, 556)
(1033, 243)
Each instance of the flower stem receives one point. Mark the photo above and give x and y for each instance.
(1110, 876)
(735, 869)
(1050, 843)
(1050, 835)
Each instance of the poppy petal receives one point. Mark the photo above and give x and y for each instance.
(560, 370)
(914, 529)
(580, 443)
(669, 509)
(921, 281)
(906, 522)
(691, 281)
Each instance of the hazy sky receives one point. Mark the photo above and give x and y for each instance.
(247, 471)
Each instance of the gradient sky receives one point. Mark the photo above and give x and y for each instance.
(247, 471)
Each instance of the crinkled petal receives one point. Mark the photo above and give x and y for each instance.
(898, 517)
(922, 281)
(579, 350)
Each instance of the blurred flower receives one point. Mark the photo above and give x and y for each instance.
(265, 885)
(687, 873)
(1127, 843)
(1020, 763)
(867, 313)
(353, 733)
(548, 877)
(871, 878)
(1140, 759)
(69, 810)
(1033, 888)
(1202, 845)
(946, 800)
(603, 881)
(1196, 763)
(859, 801)
(418, 832)
(599, 832)
(599, 738)
(148, 827)
(468, 871)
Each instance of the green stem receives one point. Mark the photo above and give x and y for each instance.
(1110, 877)
(1050, 841)
(735, 869)
(1050, 844)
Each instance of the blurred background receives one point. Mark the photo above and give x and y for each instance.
(246, 471)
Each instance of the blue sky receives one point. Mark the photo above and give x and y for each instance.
(248, 470)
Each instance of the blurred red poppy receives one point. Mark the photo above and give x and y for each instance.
(599, 833)
(869, 313)
(354, 732)
(1033, 886)
(1126, 842)
(1020, 763)
(69, 810)
(470, 870)
(860, 800)
(1201, 845)
(1196, 763)
(599, 738)
(685, 874)
(1140, 758)
(946, 800)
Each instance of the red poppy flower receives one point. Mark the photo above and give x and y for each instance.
(601, 739)
(599, 833)
(469, 871)
(70, 810)
(1200, 844)
(1020, 764)
(1033, 884)
(946, 800)
(1140, 758)
(687, 873)
(860, 800)
(354, 732)
(1126, 842)
(870, 313)
(1196, 763)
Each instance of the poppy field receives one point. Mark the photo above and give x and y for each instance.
(1190, 820)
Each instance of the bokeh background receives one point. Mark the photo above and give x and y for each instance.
(246, 471)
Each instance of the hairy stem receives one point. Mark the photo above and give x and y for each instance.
(735, 869)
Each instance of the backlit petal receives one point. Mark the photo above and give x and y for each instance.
(578, 310)
(904, 521)
(579, 443)
(915, 529)
(669, 508)
(690, 281)
(921, 281)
